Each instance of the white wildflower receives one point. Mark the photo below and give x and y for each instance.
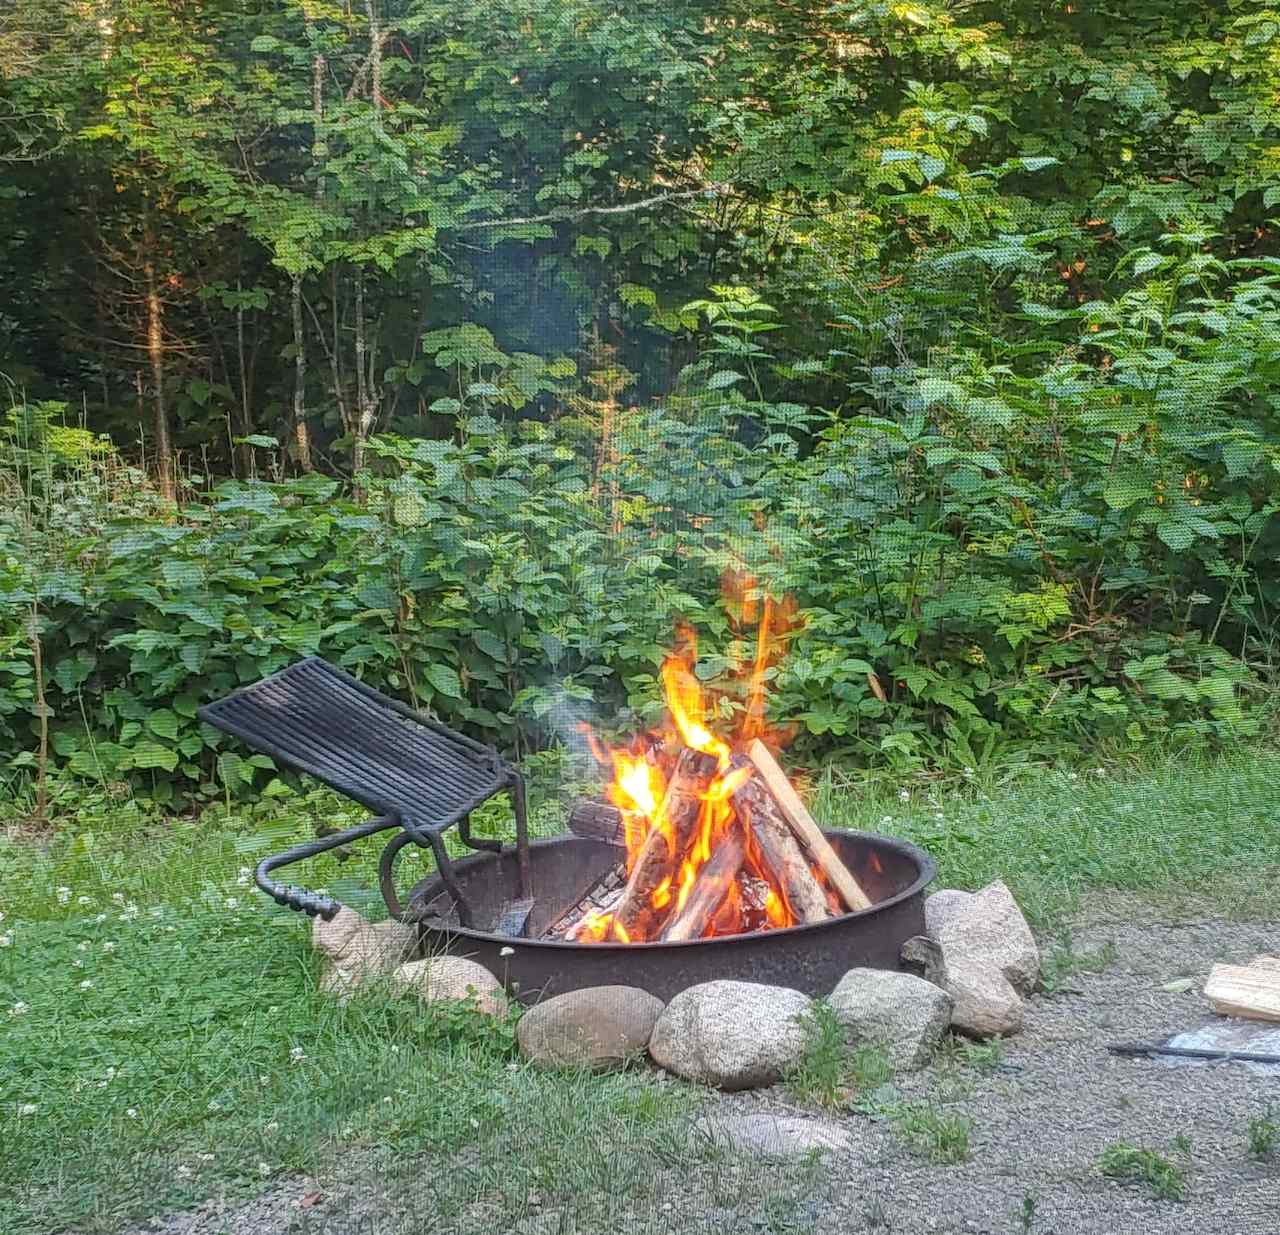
(6, 941)
(118, 897)
(132, 1112)
(205, 1157)
(184, 1171)
(27, 1108)
(108, 945)
(82, 946)
(886, 819)
(232, 902)
(63, 895)
(19, 1008)
(214, 1105)
(1099, 771)
(904, 795)
(130, 912)
(1, 915)
(100, 919)
(297, 1054)
(967, 773)
(243, 877)
(272, 1127)
(84, 900)
(263, 1169)
(87, 984)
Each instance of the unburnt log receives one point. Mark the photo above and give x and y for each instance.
(780, 852)
(805, 829)
(680, 809)
(709, 890)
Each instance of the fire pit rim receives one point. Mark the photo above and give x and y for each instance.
(924, 863)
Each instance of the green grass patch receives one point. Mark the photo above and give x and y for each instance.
(833, 1071)
(1263, 1133)
(1190, 828)
(1166, 1180)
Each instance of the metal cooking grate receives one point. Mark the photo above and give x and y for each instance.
(318, 719)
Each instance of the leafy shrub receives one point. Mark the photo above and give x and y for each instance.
(993, 556)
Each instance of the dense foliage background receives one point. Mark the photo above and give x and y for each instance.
(468, 344)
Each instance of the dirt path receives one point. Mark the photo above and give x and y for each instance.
(1039, 1122)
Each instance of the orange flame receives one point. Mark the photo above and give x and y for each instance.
(750, 898)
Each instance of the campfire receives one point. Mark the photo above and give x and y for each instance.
(717, 841)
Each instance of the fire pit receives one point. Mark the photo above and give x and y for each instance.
(810, 958)
(703, 864)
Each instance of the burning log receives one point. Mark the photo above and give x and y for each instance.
(806, 830)
(657, 860)
(709, 891)
(779, 850)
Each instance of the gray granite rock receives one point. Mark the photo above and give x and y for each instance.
(733, 1035)
(771, 1135)
(990, 930)
(904, 1014)
(598, 1027)
(359, 950)
(440, 978)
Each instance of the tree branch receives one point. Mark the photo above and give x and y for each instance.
(710, 190)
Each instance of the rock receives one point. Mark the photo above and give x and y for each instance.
(773, 1135)
(923, 957)
(734, 1035)
(442, 978)
(990, 956)
(599, 1027)
(903, 1013)
(942, 907)
(359, 950)
(989, 930)
(332, 937)
(986, 1004)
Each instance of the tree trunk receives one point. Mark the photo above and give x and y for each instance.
(155, 353)
(301, 436)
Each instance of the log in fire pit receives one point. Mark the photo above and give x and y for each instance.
(703, 863)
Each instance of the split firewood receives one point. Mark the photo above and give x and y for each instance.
(595, 820)
(806, 829)
(679, 813)
(1250, 991)
(709, 889)
(779, 851)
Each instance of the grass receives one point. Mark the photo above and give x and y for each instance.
(163, 1028)
(832, 1072)
(1061, 962)
(1189, 830)
(1263, 1133)
(1166, 1180)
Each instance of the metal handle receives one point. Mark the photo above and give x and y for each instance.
(299, 899)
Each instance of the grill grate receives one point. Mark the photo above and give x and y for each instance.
(318, 719)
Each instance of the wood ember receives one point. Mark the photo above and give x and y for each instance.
(599, 898)
(679, 813)
(709, 891)
(779, 851)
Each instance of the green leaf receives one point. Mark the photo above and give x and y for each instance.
(147, 754)
(725, 377)
(444, 680)
(163, 723)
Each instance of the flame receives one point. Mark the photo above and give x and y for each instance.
(749, 898)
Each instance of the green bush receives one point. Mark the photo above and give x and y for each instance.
(999, 557)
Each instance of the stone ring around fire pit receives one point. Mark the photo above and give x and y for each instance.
(810, 958)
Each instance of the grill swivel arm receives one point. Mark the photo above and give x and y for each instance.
(312, 903)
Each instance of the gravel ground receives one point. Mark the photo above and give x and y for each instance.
(1039, 1122)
